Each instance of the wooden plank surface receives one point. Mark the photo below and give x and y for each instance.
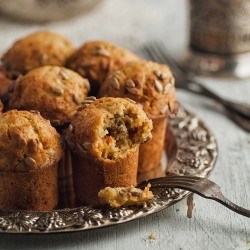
(130, 24)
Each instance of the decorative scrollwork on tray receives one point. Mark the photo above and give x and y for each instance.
(196, 155)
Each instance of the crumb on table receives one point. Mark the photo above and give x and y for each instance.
(152, 236)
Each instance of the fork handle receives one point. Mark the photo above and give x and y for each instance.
(197, 88)
(214, 195)
(219, 197)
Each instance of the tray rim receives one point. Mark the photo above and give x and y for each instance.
(88, 217)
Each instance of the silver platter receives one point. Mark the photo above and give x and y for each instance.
(191, 149)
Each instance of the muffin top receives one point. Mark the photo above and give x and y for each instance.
(118, 127)
(27, 142)
(95, 60)
(36, 50)
(148, 83)
(56, 92)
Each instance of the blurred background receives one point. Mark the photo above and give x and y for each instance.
(127, 23)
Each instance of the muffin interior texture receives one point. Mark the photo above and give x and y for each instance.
(125, 195)
(121, 132)
(109, 128)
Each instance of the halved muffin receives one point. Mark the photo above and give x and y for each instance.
(104, 137)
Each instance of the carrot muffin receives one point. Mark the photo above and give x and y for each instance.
(152, 85)
(126, 196)
(56, 92)
(95, 60)
(30, 149)
(106, 154)
(36, 50)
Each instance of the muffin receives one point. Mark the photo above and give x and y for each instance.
(30, 149)
(56, 92)
(95, 60)
(152, 85)
(36, 50)
(106, 154)
(126, 196)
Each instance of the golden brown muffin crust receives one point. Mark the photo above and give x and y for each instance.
(97, 59)
(36, 50)
(56, 92)
(148, 83)
(27, 142)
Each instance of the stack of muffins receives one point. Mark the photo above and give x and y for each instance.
(47, 88)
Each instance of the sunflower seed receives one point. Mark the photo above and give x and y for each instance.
(44, 164)
(92, 98)
(87, 101)
(158, 86)
(71, 128)
(99, 46)
(30, 162)
(59, 81)
(87, 84)
(161, 75)
(34, 112)
(81, 148)
(101, 51)
(164, 109)
(87, 145)
(104, 52)
(133, 91)
(157, 73)
(115, 83)
(164, 75)
(43, 59)
(57, 90)
(167, 88)
(81, 71)
(52, 152)
(104, 64)
(130, 100)
(73, 113)
(64, 75)
(130, 83)
(93, 75)
(76, 99)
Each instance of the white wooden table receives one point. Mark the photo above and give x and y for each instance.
(130, 24)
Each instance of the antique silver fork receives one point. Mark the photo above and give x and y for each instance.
(238, 112)
(198, 185)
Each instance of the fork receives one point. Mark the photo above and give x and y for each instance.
(238, 112)
(198, 185)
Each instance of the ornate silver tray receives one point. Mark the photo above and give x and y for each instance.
(191, 149)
